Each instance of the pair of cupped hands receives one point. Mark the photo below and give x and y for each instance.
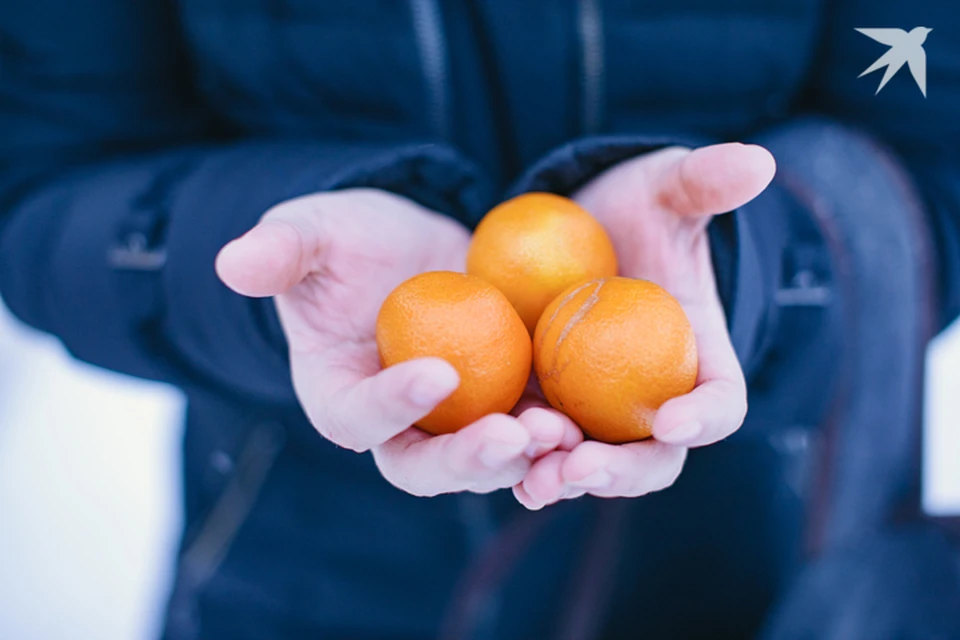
(330, 259)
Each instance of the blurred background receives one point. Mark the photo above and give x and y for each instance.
(89, 495)
(89, 511)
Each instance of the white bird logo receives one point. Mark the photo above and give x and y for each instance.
(904, 48)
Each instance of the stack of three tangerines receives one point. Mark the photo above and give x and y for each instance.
(607, 351)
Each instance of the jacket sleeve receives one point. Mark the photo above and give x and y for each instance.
(117, 189)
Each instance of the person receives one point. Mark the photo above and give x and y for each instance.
(220, 195)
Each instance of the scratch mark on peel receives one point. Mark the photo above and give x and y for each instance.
(566, 299)
(588, 304)
(584, 309)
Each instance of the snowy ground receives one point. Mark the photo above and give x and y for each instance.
(88, 486)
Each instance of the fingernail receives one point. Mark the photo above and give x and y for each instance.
(496, 454)
(427, 392)
(597, 479)
(682, 433)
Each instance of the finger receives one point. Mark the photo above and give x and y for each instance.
(628, 470)
(533, 397)
(572, 437)
(360, 412)
(706, 415)
(524, 498)
(543, 483)
(273, 256)
(548, 429)
(718, 404)
(481, 457)
(712, 180)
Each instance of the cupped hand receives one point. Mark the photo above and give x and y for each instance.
(656, 209)
(330, 260)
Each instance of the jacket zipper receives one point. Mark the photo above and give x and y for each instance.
(590, 31)
(208, 549)
(432, 44)
(205, 553)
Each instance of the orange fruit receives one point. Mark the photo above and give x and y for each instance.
(536, 245)
(470, 324)
(609, 352)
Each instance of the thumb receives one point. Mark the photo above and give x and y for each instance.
(714, 179)
(270, 258)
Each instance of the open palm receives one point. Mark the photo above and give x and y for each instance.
(330, 260)
(657, 208)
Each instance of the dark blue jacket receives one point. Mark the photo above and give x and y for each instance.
(137, 137)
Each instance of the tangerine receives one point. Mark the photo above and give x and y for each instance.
(534, 246)
(609, 352)
(470, 324)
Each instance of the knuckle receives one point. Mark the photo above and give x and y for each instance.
(542, 490)
(590, 449)
(417, 487)
(292, 233)
(667, 463)
(626, 485)
(335, 429)
(460, 458)
(424, 475)
(403, 483)
(401, 413)
(397, 475)
(408, 487)
(463, 468)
